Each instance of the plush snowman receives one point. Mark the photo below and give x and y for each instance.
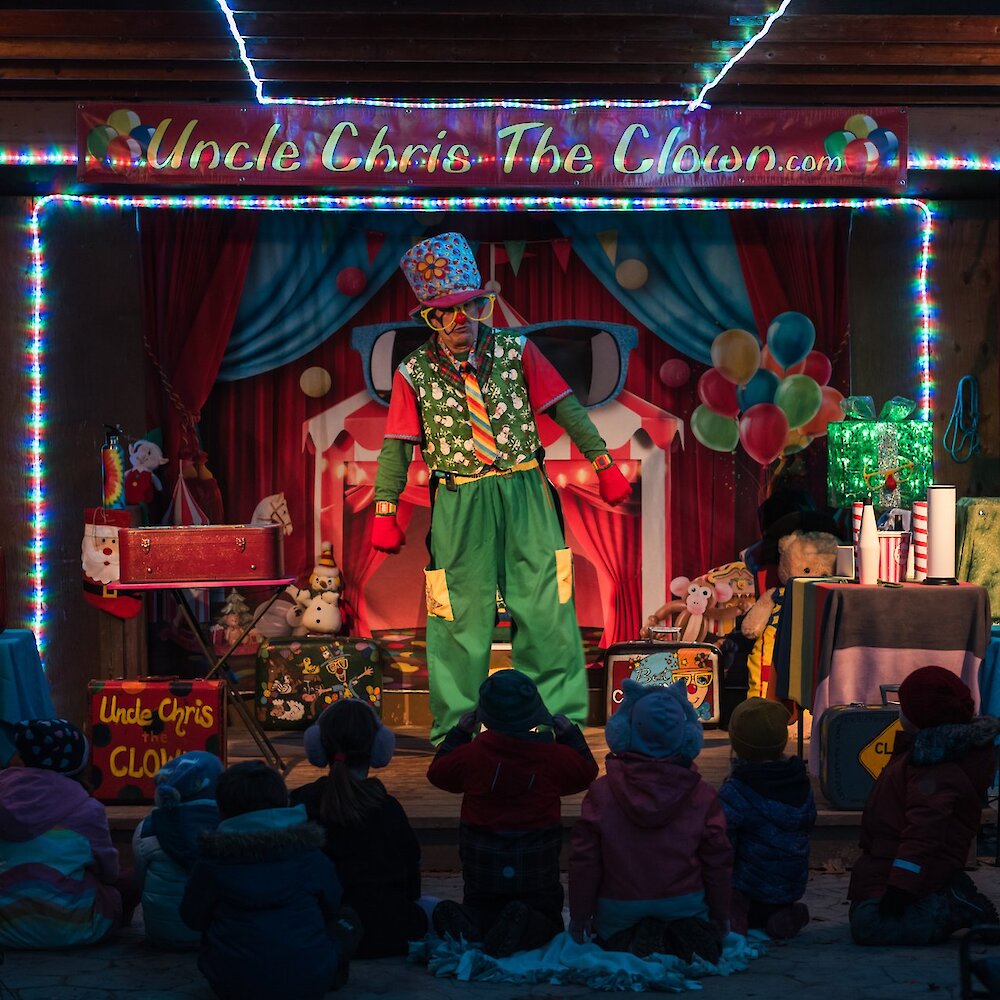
(321, 616)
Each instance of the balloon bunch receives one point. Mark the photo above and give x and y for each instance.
(774, 400)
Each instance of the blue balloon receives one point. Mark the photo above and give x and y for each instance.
(760, 389)
(887, 144)
(790, 337)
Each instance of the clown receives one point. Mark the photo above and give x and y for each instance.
(468, 396)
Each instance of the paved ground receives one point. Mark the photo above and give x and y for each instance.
(820, 963)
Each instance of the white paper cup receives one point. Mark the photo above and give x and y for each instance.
(893, 552)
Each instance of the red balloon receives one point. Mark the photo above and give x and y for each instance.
(816, 365)
(767, 361)
(675, 373)
(718, 393)
(763, 430)
(351, 281)
(829, 412)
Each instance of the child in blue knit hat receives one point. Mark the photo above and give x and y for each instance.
(165, 845)
(650, 866)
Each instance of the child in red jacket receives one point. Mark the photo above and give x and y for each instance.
(650, 867)
(909, 885)
(511, 778)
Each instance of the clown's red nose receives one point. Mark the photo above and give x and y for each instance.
(890, 482)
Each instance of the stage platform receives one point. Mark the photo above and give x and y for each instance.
(434, 813)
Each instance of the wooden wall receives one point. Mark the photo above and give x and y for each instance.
(94, 375)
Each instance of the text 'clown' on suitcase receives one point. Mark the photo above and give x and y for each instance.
(695, 663)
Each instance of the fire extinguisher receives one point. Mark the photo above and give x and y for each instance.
(113, 467)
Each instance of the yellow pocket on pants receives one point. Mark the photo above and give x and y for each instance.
(564, 574)
(438, 598)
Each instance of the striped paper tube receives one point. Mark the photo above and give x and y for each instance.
(919, 525)
(856, 511)
(893, 547)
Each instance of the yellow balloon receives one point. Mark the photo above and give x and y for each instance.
(860, 125)
(632, 273)
(123, 121)
(736, 354)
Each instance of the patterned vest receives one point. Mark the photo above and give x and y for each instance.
(444, 413)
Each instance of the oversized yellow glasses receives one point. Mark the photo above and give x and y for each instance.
(888, 478)
(442, 320)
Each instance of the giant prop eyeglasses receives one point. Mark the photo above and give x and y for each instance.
(443, 320)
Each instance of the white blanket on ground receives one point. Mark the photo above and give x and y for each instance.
(564, 962)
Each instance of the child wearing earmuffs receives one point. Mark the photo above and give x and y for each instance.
(368, 837)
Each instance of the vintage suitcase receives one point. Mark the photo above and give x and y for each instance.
(230, 552)
(855, 743)
(696, 663)
(298, 678)
(135, 727)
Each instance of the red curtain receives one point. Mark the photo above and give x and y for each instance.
(797, 260)
(193, 266)
(610, 538)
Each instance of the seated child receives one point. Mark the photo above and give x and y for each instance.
(770, 812)
(59, 878)
(650, 866)
(511, 778)
(909, 885)
(165, 845)
(368, 837)
(264, 895)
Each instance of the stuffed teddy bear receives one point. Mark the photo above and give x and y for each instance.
(800, 553)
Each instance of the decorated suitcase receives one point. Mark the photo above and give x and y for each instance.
(135, 727)
(855, 743)
(202, 552)
(696, 663)
(298, 678)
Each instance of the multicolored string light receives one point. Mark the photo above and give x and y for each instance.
(42, 207)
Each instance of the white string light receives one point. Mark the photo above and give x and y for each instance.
(699, 101)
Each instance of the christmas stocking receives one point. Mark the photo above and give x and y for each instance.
(100, 562)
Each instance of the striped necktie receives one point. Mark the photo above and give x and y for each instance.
(483, 442)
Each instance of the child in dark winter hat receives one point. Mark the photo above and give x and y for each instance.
(368, 837)
(165, 845)
(650, 866)
(60, 885)
(909, 885)
(264, 896)
(770, 812)
(511, 777)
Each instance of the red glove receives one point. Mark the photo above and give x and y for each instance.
(387, 535)
(615, 488)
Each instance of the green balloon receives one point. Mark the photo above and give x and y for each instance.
(800, 397)
(713, 430)
(836, 142)
(98, 139)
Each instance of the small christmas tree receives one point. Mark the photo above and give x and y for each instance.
(234, 616)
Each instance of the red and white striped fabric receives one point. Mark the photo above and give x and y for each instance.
(183, 510)
(918, 525)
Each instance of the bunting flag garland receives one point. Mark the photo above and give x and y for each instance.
(562, 248)
(373, 240)
(515, 253)
(609, 244)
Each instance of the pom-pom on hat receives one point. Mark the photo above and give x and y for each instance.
(656, 721)
(192, 775)
(442, 271)
(934, 696)
(758, 729)
(509, 702)
(53, 744)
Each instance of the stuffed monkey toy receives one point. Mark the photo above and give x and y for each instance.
(697, 612)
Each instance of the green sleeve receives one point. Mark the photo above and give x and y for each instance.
(393, 464)
(570, 415)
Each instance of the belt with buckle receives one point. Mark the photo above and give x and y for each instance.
(452, 479)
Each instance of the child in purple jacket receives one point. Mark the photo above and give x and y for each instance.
(58, 869)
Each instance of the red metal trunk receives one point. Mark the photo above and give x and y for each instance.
(230, 552)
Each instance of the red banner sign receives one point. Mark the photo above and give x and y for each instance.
(357, 146)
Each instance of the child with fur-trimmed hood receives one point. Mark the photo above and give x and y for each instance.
(909, 886)
(650, 866)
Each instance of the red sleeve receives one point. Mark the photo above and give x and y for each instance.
(716, 856)
(574, 771)
(545, 385)
(448, 769)
(586, 869)
(403, 421)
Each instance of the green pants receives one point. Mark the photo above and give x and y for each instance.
(500, 532)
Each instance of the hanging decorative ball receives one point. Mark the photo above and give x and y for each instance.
(631, 273)
(315, 382)
(675, 373)
(351, 281)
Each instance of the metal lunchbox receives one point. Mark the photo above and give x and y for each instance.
(203, 552)
(696, 663)
(855, 743)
